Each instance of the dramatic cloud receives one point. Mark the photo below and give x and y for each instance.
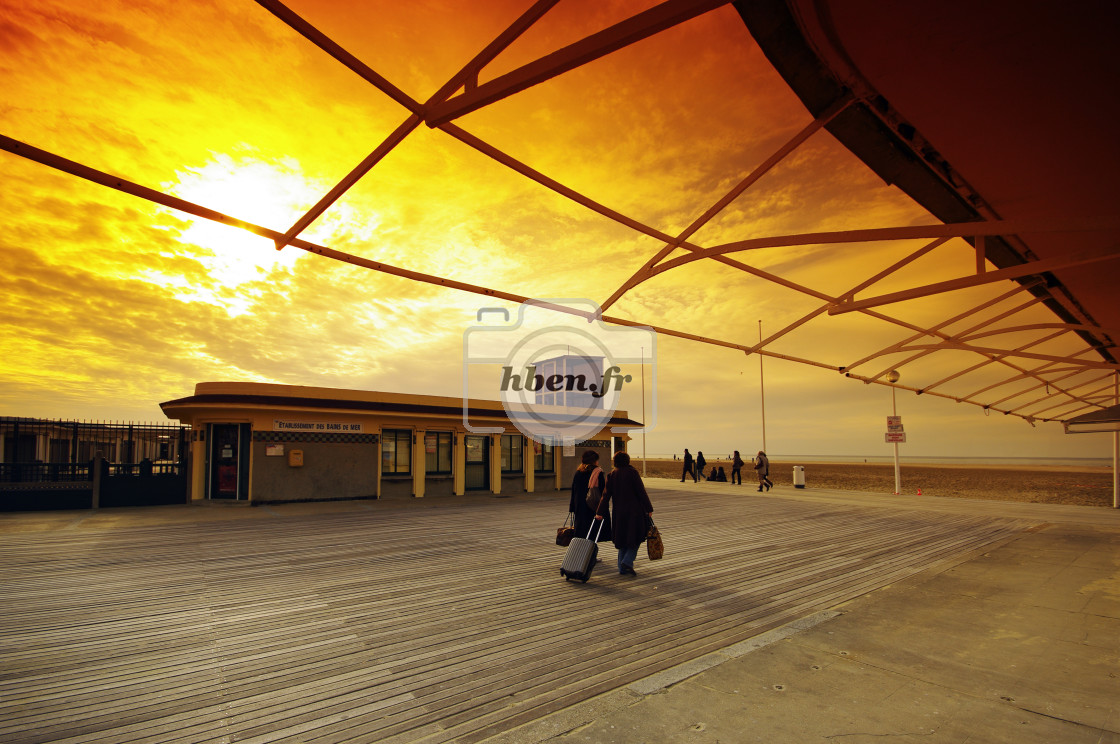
(113, 304)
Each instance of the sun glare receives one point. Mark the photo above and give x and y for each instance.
(268, 194)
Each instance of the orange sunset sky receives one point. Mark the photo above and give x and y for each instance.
(113, 304)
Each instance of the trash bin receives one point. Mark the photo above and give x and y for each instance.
(798, 476)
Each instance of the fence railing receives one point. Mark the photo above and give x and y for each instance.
(48, 450)
(32, 472)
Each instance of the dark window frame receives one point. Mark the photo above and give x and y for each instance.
(396, 436)
(442, 437)
(514, 468)
(545, 460)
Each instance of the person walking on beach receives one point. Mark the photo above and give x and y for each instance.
(762, 465)
(700, 463)
(586, 474)
(631, 508)
(688, 467)
(737, 467)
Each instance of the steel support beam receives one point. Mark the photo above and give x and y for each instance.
(1031, 268)
(751, 178)
(468, 73)
(643, 25)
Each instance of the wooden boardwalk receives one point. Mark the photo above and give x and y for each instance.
(435, 621)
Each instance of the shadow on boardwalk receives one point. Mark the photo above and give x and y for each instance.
(442, 620)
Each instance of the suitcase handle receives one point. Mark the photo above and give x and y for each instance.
(600, 521)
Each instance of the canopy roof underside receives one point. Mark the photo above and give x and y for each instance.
(999, 123)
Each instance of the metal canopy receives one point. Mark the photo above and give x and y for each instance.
(999, 124)
(1107, 419)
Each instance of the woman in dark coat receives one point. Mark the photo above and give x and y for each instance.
(737, 468)
(631, 507)
(584, 514)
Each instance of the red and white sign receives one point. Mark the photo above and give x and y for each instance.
(896, 437)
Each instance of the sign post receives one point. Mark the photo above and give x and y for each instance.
(895, 432)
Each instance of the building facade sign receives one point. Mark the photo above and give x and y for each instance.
(316, 426)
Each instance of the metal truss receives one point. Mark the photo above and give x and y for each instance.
(1065, 377)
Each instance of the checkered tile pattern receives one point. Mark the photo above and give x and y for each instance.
(308, 436)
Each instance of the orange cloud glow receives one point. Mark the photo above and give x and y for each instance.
(113, 304)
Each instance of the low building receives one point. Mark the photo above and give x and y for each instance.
(266, 443)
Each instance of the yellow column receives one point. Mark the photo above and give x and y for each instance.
(419, 463)
(529, 461)
(459, 466)
(380, 460)
(496, 463)
(198, 467)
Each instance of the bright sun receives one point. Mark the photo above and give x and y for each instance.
(272, 195)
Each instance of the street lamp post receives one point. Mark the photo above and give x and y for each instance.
(892, 378)
(644, 412)
(761, 386)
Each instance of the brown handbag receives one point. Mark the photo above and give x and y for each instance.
(654, 547)
(565, 533)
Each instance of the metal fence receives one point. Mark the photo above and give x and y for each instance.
(42, 459)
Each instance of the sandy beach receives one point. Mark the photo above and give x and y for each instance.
(1085, 486)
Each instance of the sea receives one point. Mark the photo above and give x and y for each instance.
(1089, 462)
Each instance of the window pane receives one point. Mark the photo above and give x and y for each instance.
(437, 451)
(404, 451)
(444, 453)
(544, 458)
(511, 453)
(431, 452)
(396, 451)
(388, 452)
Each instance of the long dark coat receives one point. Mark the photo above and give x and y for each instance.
(578, 505)
(631, 505)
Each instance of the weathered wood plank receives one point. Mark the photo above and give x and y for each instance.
(408, 621)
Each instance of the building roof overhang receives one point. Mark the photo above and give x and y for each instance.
(1107, 419)
(242, 396)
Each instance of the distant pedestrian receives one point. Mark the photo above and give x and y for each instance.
(700, 463)
(632, 509)
(688, 469)
(737, 467)
(762, 465)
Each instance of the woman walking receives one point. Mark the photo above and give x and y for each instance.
(762, 465)
(737, 468)
(631, 507)
(581, 481)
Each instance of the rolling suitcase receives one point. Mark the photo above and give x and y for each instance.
(581, 555)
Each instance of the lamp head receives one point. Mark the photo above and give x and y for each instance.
(892, 376)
